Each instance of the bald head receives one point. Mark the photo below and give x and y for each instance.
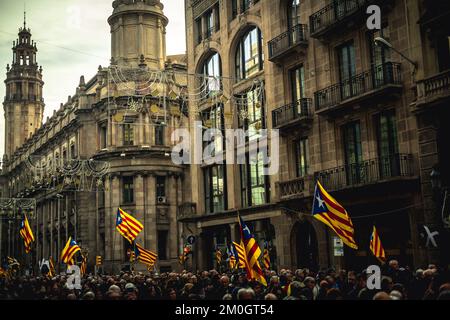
(381, 296)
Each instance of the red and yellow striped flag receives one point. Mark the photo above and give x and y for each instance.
(83, 267)
(376, 247)
(128, 226)
(26, 234)
(51, 271)
(69, 251)
(266, 257)
(252, 253)
(241, 257)
(327, 210)
(145, 256)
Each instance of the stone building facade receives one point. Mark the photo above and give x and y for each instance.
(361, 118)
(107, 147)
(348, 111)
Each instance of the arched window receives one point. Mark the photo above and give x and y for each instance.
(293, 13)
(212, 71)
(249, 54)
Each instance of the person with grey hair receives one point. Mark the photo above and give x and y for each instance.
(227, 296)
(246, 294)
(270, 296)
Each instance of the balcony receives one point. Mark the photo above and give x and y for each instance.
(186, 211)
(291, 189)
(291, 41)
(383, 80)
(340, 15)
(293, 115)
(378, 170)
(433, 90)
(200, 6)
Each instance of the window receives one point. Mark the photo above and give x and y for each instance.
(234, 8)
(387, 144)
(101, 198)
(210, 26)
(198, 23)
(301, 157)
(73, 153)
(249, 54)
(159, 134)
(378, 54)
(212, 71)
(347, 69)
(128, 134)
(162, 244)
(128, 189)
(64, 154)
(103, 137)
(214, 119)
(160, 187)
(215, 186)
(254, 184)
(297, 78)
(353, 152)
(293, 13)
(251, 112)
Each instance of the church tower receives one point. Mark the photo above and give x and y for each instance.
(138, 33)
(23, 105)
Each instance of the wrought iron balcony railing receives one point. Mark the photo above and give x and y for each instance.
(297, 110)
(287, 40)
(437, 86)
(378, 77)
(291, 188)
(335, 12)
(367, 172)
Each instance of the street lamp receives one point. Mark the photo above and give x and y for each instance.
(379, 41)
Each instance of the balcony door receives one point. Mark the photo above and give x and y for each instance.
(294, 20)
(353, 154)
(347, 69)
(389, 161)
(379, 55)
(297, 78)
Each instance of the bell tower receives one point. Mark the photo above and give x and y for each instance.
(23, 105)
(138, 33)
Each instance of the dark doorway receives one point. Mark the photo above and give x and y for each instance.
(306, 249)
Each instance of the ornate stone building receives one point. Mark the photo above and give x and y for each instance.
(360, 117)
(345, 107)
(107, 146)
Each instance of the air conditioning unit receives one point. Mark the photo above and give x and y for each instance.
(161, 200)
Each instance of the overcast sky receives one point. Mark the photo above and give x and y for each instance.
(73, 39)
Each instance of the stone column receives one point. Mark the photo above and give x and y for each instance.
(51, 221)
(44, 229)
(58, 228)
(67, 218)
(172, 239)
(150, 217)
(109, 220)
(117, 244)
(139, 202)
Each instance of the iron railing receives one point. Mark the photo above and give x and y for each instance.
(291, 188)
(296, 110)
(388, 73)
(286, 40)
(336, 11)
(367, 172)
(434, 86)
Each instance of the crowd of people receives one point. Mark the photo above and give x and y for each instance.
(431, 283)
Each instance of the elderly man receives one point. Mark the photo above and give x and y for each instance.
(246, 294)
